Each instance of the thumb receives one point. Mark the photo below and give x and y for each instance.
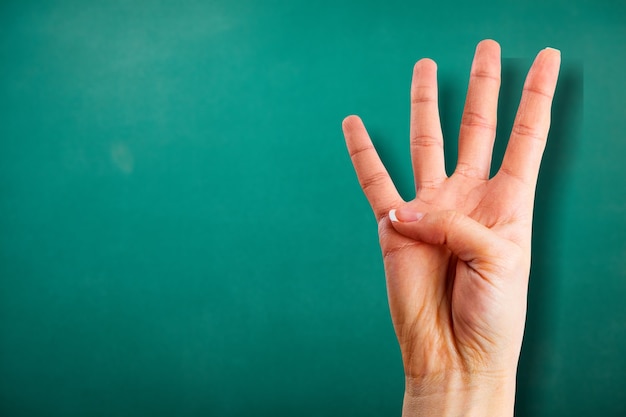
(468, 239)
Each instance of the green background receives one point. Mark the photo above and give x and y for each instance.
(181, 231)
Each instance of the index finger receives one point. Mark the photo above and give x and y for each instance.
(532, 122)
(373, 177)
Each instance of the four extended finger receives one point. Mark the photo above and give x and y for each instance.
(426, 137)
(478, 125)
(373, 177)
(530, 129)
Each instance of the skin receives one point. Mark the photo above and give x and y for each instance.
(457, 257)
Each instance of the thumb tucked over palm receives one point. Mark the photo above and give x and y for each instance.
(466, 238)
(481, 281)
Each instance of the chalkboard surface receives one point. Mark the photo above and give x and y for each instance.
(181, 231)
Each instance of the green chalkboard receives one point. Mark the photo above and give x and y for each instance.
(182, 233)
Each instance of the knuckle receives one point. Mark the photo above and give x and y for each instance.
(423, 98)
(445, 223)
(421, 94)
(538, 91)
(475, 119)
(374, 180)
(355, 152)
(528, 131)
(468, 170)
(485, 75)
(513, 175)
(426, 141)
(430, 183)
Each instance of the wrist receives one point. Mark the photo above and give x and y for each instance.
(457, 394)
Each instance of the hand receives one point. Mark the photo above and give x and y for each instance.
(457, 257)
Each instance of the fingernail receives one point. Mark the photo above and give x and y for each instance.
(554, 49)
(404, 215)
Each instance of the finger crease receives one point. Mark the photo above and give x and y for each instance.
(473, 119)
(528, 131)
(398, 249)
(374, 179)
(469, 171)
(423, 99)
(538, 91)
(485, 75)
(358, 151)
(426, 141)
(506, 171)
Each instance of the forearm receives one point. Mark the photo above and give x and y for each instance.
(454, 395)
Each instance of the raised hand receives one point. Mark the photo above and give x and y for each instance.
(457, 257)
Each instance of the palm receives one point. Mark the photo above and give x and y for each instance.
(450, 313)
(434, 302)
